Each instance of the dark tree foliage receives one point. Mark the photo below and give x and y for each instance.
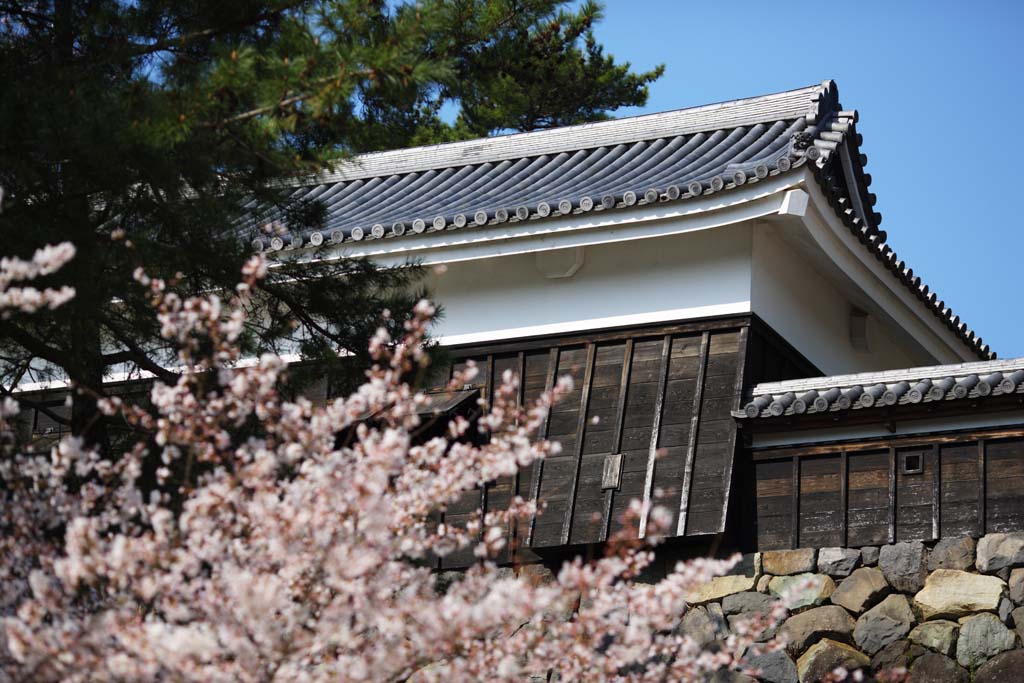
(152, 133)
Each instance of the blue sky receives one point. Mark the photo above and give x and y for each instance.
(939, 89)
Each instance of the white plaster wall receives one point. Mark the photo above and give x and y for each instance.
(670, 278)
(812, 313)
(753, 265)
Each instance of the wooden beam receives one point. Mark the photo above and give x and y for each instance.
(691, 445)
(852, 445)
(542, 433)
(727, 478)
(598, 336)
(581, 427)
(652, 451)
(844, 497)
(892, 495)
(620, 418)
(982, 484)
(795, 505)
(936, 491)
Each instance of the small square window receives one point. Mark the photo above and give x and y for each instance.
(912, 463)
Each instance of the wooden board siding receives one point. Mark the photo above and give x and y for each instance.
(915, 493)
(819, 512)
(598, 433)
(969, 484)
(637, 425)
(557, 477)
(660, 397)
(868, 498)
(774, 503)
(716, 434)
(1004, 485)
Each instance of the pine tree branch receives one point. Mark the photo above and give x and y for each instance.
(133, 353)
(281, 104)
(177, 42)
(297, 309)
(39, 349)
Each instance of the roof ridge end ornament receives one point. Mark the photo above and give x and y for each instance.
(824, 101)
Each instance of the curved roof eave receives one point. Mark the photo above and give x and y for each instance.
(605, 167)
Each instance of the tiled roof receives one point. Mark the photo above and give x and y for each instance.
(572, 170)
(868, 390)
(605, 166)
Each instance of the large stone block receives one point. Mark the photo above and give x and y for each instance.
(749, 622)
(826, 656)
(982, 637)
(952, 553)
(952, 593)
(721, 586)
(1008, 666)
(869, 555)
(803, 630)
(802, 590)
(886, 622)
(1016, 586)
(704, 624)
(730, 676)
(788, 562)
(838, 562)
(1000, 551)
(1017, 617)
(896, 655)
(861, 589)
(748, 601)
(936, 668)
(939, 635)
(905, 565)
(774, 667)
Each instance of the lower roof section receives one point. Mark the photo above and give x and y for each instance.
(875, 391)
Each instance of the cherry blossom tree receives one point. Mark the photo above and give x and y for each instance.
(281, 540)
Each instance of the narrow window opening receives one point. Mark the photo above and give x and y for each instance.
(912, 463)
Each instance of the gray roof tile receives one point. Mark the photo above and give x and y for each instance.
(866, 390)
(665, 157)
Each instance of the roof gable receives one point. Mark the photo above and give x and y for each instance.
(607, 166)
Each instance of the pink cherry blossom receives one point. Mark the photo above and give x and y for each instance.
(292, 541)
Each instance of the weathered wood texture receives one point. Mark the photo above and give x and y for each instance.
(660, 398)
(909, 489)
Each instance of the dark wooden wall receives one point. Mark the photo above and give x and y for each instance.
(658, 397)
(857, 494)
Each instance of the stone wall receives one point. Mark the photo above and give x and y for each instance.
(951, 611)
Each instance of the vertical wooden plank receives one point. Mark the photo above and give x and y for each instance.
(521, 369)
(844, 494)
(741, 368)
(936, 491)
(691, 446)
(513, 532)
(538, 467)
(795, 504)
(982, 484)
(488, 393)
(441, 517)
(892, 494)
(620, 417)
(659, 403)
(581, 425)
